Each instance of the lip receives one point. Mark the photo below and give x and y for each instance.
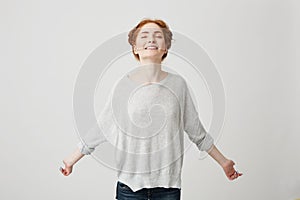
(156, 47)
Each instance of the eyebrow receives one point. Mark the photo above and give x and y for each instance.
(148, 32)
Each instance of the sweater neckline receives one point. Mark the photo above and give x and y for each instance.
(148, 83)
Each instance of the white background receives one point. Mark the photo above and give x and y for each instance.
(254, 44)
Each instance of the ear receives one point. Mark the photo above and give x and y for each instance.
(134, 49)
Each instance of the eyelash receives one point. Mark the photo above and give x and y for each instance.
(156, 36)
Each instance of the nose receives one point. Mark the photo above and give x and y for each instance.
(151, 39)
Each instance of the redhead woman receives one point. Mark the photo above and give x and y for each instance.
(149, 174)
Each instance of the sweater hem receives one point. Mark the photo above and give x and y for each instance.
(168, 181)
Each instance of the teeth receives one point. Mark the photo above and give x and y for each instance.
(151, 48)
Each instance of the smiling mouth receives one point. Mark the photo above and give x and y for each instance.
(151, 48)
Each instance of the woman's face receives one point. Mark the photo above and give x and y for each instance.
(150, 43)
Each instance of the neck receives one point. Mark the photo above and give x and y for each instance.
(150, 60)
(150, 67)
(150, 71)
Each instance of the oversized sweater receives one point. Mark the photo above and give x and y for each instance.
(146, 124)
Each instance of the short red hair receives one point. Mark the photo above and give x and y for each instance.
(165, 29)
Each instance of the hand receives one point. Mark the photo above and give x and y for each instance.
(67, 170)
(229, 170)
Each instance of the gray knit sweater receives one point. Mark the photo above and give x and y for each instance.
(146, 124)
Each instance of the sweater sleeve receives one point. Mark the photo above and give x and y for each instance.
(95, 135)
(192, 124)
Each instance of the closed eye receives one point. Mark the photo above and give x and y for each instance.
(158, 36)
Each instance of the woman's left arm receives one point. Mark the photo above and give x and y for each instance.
(225, 163)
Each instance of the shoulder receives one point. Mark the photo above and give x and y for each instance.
(178, 79)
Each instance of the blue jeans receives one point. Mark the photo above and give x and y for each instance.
(124, 192)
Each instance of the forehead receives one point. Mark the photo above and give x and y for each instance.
(150, 27)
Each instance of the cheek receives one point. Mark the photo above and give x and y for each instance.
(162, 43)
(139, 43)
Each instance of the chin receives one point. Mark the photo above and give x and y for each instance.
(152, 55)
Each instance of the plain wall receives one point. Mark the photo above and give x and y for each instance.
(253, 44)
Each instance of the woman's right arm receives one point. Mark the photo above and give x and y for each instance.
(90, 140)
(70, 161)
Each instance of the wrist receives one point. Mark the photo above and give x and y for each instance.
(224, 162)
(68, 163)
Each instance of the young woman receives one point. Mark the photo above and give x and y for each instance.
(150, 41)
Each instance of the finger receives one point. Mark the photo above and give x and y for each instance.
(234, 176)
(65, 172)
(232, 172)
(239, 173)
